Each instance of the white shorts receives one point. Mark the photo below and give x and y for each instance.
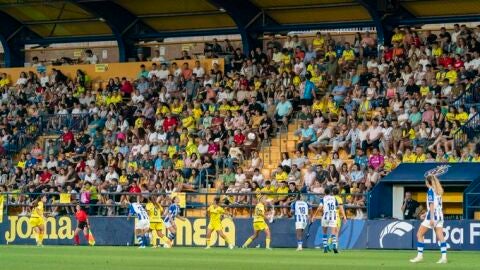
(329, 223)
(436, 224)
(143, 224)
(300, 225)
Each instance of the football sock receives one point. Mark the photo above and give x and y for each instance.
(165, 240)
(267, 243)
(76, 239)
(300, 243)
(334, 241)
(248, 242)
(420, 246)
(140, 240)
(147, 239)
(208, 242)
(325, 240)
(443, 249)
(40, 238)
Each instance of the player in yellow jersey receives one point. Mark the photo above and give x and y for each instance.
(215, 212)
(335, 192)
(37, 219)
(155, 211)
(259, 224)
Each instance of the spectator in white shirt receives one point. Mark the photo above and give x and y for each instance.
(153, 72)
(137, 97)
(157, 57)
(90, 58)
(22, 80)
(163, 73)
(374, 134)
(309, 177)
(199, 70)
(112, 174)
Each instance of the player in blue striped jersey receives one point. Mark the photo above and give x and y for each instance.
(433, 219)
(142, 225)
(301, 211)
(330, 207)
(172, 214)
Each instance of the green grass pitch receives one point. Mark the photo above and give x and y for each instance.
(117, 258)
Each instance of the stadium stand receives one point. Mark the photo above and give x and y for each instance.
(297, 116)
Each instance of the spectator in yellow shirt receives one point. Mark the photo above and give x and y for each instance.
(176, 107)
(4, 81)
(330, 52)
(420, 156)
(462, 115)
(408, 156)
(318, 104)
(116, 98)
(280, 174)
(188, 121)
(268, 188)
(348, 53)
(398, 36)
(451, 75)
(318, 42)
(286, 58)
(437, 51)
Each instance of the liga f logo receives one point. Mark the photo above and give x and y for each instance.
(399, 228)
(437, 171)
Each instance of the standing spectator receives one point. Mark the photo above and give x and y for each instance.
(409, 207)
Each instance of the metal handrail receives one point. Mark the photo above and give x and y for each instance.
(468, 97)
(467, 131)
(188, 204)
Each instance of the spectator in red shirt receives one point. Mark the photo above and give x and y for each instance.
(68, 140)
(186, 72)
(134, 188)
(238, 137)
(45, 177)
(444, 60)
(458, 63)
(387, 54)
(126, 88)
(169, 121)
(299, 53)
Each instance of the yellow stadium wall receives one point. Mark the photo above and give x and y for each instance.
(129, 70)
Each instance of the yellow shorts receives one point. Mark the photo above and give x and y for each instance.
(35, 222)
(260, 226)
(215, 226)
(157, 226)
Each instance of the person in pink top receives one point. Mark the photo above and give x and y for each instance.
(376, 160)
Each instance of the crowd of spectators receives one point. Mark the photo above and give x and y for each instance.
(362, 110)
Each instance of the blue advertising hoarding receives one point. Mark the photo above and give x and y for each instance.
(354, 234)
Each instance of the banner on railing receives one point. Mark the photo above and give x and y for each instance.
(355, 234)
(116, 231)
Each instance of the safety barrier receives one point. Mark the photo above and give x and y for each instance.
(354, 234)
(193, 204)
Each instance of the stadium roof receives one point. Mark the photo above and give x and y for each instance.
(61, 21)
